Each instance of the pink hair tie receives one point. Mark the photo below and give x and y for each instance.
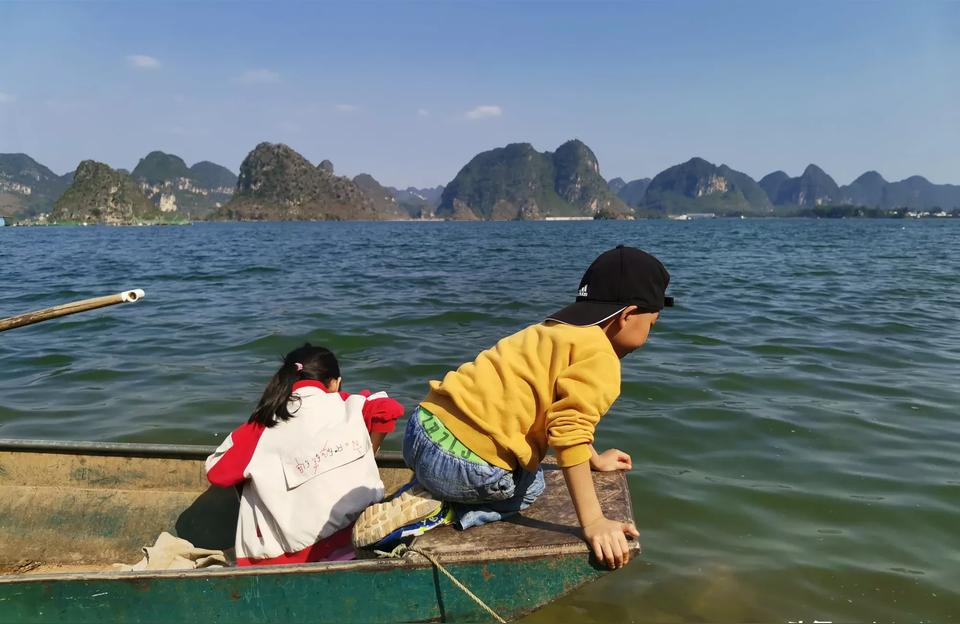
(299, 366)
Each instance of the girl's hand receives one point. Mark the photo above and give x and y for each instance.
(376, 439)
(610, 460)
(607, 540)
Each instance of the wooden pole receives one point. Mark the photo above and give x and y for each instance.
(70, 308)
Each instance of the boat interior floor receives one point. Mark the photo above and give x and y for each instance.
(69, 513)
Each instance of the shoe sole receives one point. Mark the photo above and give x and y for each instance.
(378, 521)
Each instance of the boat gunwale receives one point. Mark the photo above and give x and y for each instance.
(411, 561)
(385, 459)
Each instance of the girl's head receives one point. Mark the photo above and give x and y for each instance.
(306, 362)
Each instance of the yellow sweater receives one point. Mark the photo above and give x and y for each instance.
(545, 386)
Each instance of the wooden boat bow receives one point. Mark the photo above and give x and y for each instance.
(70, 509)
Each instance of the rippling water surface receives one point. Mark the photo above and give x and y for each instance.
(792, 421)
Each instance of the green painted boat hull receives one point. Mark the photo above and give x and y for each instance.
(354, 593)
(68, 511)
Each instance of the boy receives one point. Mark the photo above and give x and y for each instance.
(476, 441)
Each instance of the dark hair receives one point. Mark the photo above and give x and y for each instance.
(317, 363)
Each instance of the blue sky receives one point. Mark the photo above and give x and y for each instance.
(409, 92)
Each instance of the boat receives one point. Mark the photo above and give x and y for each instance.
(68, 510)
(691, 216)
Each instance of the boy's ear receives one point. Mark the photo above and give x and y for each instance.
(623, 316)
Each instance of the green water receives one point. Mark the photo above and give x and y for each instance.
(792, 421)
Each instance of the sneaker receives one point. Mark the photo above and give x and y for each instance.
(442, 517)
(410, 505)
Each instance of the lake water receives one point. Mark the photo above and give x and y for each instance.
(793, 421)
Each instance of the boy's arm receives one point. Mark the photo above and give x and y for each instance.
(609, 460)
(605, 537)
(583, 392)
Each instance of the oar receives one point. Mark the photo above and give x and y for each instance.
(128, 296)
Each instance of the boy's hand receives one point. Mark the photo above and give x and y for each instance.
(610, 460)
(607, 539)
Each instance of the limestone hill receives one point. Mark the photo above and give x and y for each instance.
(278, 184)
(101, 195)
(701, 186)
(167, 181)
(27, 188)
(518, 182)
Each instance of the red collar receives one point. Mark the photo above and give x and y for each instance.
(308, 383)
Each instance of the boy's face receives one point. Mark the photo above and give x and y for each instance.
(629, 331)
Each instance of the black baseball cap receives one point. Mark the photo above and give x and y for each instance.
(621, 277)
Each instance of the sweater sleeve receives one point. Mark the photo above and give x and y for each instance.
(228, 464)
(584, 392)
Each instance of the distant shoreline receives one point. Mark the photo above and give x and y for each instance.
(681, 218)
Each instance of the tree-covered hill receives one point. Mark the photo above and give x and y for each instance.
(700, 186)
(418, 203)
(158, 167)
(28, 188)
(100, 194)
(278, 184)
(632, 192)
(867, 190)
(167, 181)
(383, 201)
(616, 184)
(813, 188)
(518, 182)
(212, 176)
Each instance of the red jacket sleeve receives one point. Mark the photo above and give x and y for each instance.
(228, 464)
(381, 414)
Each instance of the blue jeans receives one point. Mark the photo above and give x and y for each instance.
(479, 493)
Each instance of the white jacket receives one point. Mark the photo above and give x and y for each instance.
(307, 478)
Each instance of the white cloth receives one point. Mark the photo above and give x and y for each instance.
(174, 553)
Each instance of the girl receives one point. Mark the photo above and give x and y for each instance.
(306, 461)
